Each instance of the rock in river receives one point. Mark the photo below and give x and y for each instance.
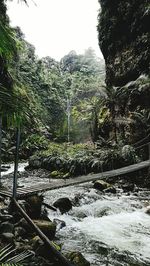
(47, 227)
(63, 204)
(101, 185)
(77, 258)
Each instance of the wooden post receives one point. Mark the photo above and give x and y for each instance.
(149, 158)
(16, 163)
(0, 150)
(149, 150)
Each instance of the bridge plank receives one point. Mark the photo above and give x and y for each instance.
(21, 192)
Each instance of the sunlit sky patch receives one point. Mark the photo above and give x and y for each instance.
(56, 27)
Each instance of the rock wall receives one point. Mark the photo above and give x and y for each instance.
(124, 38)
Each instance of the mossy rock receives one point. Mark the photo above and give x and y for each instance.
(77, 258)
(47, 227)
(56, 174)
(101, 185)
(66, 176)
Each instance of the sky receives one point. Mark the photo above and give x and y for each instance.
(55, 27)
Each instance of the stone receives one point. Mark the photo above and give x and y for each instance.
(34, 205)
(56, 174)
(77, 258)
(5, 217)
(59, 224)
(147, 210)
(36, 242)
(110, 190)
(47, 227)
(63, 204)
(6, 227)
(34, 163)
(20, 231)
(23, 223)
(128, 187)
(8, 237)
(2, 198)
(101, 185)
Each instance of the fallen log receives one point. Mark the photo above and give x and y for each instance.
(63, 261)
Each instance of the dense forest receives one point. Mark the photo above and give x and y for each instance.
(69, 101)
(77, 116)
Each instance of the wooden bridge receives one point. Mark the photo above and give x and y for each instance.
(25, 191)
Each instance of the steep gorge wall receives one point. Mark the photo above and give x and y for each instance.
(124, 38)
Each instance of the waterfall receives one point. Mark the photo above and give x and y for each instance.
(68, 111)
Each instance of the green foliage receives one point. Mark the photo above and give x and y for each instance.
(35, 141)
(9, 256)
(63, 160)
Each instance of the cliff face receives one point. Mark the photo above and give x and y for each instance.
(124, 38)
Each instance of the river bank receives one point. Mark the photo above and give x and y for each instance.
(109, 229)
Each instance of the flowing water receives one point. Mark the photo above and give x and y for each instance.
(109, 230)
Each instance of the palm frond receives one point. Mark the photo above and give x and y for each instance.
(10, 257)
(7, 40)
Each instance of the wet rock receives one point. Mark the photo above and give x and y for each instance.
(147, 210)
(19, 231)
(101, 185)
(34, 163)
(56, 174)
(47, 227)
(6, 227)
(36, 242)
(34, 205)
(128, 187)
(63, 204)
(7, 237)
(77, 258)
(5, 217)
(23, 223)
(2, 198)
(59, 223)
(110, 190)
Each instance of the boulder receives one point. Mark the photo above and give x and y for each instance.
(110, 190)
(101, 185)
(6, 227)
(36, 242)
(34, 205)
(128, 187)
(77, 258)
(47, 227)
(147, 210)
(63, 204)
(5, 217)
(59, 223)
(19, 231)
(7, 237)
(34, 163)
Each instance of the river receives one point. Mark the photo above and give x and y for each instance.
(109, 230)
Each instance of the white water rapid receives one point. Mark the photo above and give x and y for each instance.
(108, 230)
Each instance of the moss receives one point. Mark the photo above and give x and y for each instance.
(77, 258)
(80, 160)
